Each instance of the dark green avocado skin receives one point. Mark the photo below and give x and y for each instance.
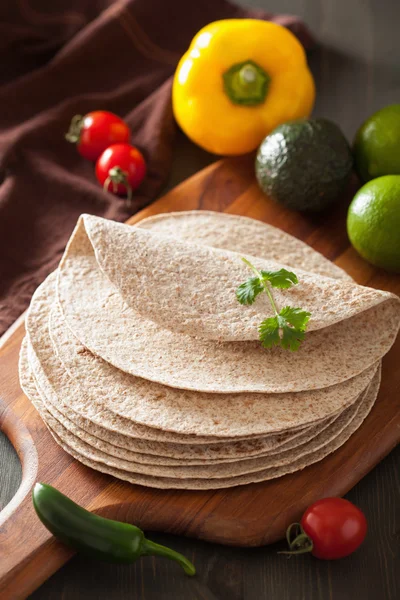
(304, 165)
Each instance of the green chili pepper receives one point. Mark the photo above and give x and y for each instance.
(95, 536)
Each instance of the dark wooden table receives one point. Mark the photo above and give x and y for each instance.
(357, 71)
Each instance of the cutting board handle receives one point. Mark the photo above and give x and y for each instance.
(22, 536)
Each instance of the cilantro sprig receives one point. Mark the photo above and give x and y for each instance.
(288, 326)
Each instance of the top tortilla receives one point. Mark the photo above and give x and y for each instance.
(97, 314)
(190, 288)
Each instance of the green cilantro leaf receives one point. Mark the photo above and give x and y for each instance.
(296, 317)
(280, 279)
(269, 332)
(291, 322)
(248, 291)
(287, 328)
(291, 337)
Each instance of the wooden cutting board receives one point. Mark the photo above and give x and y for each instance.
(250, 515)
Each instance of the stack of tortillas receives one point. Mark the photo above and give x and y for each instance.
(144, 365)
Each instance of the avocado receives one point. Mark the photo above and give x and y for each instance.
(305, 164)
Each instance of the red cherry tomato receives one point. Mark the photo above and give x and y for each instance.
(97, 130)
(336, 527)
(121, 169)
(330, 528)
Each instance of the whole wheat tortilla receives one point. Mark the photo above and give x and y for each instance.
(146, 452)
(185, 454)
(197, 412)
(93, 457)
(86, 418)
(167, 452)
(72, 396)
(180, 411)
(80, 440)
(341, 421)
(222, 451)
(190, 288)
(99, 318)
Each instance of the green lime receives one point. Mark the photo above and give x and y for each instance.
(377, 144)
(373, 222)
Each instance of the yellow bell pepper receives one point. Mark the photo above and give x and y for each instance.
(239, 79)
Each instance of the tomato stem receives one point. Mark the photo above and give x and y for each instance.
(299, 542)
(117, 176)
(75, 128)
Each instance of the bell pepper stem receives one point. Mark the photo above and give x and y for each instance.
(152, 549)
(246, 83)
(247, 75)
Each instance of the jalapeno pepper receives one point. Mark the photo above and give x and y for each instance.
(96, 536)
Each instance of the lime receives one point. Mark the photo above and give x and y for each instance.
(377, 144)
(373, 222)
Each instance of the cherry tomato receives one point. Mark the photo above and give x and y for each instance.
(97, 130)
(121, 169)
(330, 528)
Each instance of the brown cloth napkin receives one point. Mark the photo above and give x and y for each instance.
(73, 56)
